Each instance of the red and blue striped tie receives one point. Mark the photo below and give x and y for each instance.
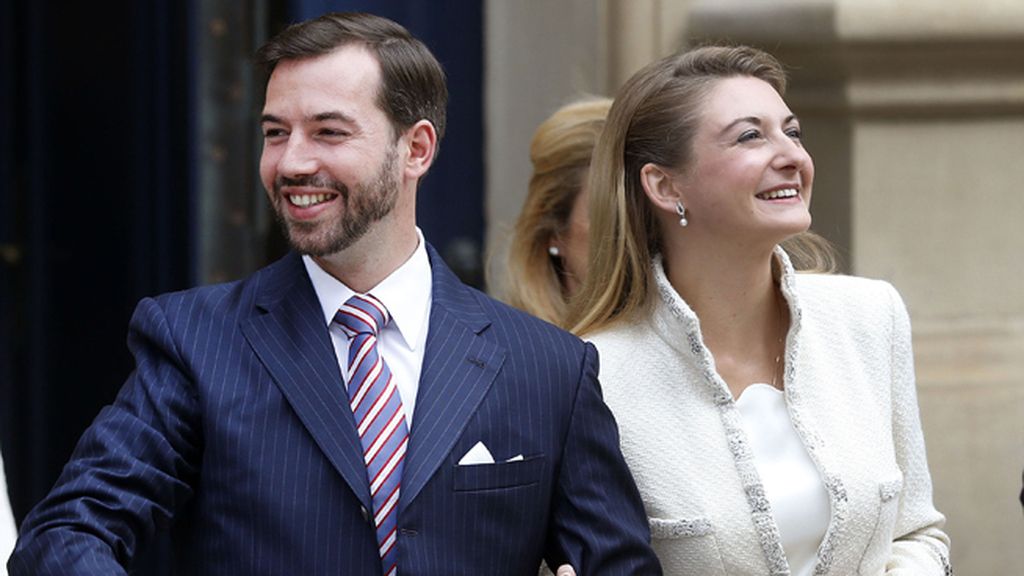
(380, 420)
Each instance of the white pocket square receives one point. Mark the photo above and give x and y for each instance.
(478, 454)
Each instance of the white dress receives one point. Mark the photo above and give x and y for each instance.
(791, 482)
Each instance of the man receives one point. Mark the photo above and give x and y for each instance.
(353, 409)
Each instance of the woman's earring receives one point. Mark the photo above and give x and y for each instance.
(553, 251)
(681, 210)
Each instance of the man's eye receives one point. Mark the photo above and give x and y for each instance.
(332, 133)
(273, 132)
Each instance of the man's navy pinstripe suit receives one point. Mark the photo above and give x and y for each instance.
(234, 433)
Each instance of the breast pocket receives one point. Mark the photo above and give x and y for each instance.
(889, 492)
(499, 475)
(686, 545)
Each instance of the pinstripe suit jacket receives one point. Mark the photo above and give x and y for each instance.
(233, 432)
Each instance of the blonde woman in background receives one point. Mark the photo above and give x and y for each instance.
(770, 418)
(547, 258)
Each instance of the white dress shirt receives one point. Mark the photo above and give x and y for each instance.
(406, 293)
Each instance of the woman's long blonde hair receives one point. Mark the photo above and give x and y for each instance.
(560, 151)
(653, 120)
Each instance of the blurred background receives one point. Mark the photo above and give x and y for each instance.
(129, 146)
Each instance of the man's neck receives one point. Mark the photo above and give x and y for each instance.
(371, 259)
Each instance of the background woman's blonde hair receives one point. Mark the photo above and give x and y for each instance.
(560, 151)
(653, 120)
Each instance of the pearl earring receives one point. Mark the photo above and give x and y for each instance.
(681, 210)
(553, 251)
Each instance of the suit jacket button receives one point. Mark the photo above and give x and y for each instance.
(365, 513)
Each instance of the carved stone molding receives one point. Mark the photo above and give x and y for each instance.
(871, 59)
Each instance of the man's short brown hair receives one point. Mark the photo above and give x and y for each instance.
(413, 85)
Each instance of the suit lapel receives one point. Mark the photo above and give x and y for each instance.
(293, 343)
(459, 368)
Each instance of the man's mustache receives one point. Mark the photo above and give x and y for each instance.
(312, 181)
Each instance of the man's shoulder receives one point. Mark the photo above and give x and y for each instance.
(523, 337)
(503, 321)
(507, 317)
(272, 282)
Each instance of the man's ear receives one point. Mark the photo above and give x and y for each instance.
(421, 141)
(659, 187)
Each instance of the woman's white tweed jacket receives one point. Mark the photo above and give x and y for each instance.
(849, 386)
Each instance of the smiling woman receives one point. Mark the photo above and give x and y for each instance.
(764, 413)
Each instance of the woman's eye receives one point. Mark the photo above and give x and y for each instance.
(749, 135)
(795, 133)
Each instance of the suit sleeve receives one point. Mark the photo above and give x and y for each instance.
(130, 471)
(920, 547)
(599, 523)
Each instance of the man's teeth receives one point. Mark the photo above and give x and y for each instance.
(306, 200)
(776, 194)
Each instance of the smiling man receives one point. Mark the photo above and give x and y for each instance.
(352, 408)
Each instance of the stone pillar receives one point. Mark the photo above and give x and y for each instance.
(914, 113)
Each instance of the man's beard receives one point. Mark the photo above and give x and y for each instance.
(371, 202)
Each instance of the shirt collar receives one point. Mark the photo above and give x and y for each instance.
(406, 292)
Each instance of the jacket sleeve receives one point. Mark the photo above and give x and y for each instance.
(599, 523)
(130, 471)
(919, 547)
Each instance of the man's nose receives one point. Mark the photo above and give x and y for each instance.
(298, 159)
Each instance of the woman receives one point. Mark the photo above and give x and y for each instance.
(547, 259)
(769, 417)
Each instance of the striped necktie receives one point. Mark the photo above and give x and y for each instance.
(380, 420)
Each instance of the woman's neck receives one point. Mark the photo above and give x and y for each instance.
(742, 316)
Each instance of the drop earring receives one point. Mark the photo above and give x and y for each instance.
(681, 210)
(553, 251)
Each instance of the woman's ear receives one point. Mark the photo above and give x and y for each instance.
(421, 140)
(659, 186)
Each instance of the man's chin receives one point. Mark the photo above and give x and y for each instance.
(311, 248)
(316, 245)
